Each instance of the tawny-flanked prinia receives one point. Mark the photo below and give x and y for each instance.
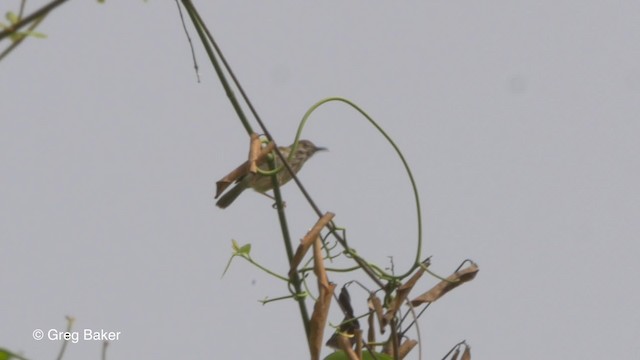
(262, 183)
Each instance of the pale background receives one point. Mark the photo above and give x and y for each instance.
(520, 121)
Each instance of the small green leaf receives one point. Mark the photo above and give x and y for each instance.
(8, 355)
(245, 250)
(12, 17)
(35, 34)
(235, 246)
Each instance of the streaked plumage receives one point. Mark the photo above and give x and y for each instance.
(262, 183)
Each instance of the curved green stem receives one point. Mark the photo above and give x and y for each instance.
(404, 163)
(270, 272)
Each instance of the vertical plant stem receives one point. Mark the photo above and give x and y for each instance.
(295, 278)
(201, 28)
(207, 40)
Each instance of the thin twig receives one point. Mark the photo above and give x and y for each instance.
(42, 11)
(201, 28)
(17, 42)
(21, 12)
(193, 53)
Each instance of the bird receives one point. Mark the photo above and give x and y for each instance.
(263, 183)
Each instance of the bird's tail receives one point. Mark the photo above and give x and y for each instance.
(231, 195)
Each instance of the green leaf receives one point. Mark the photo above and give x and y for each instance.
(35, 34)
(245, 250)
(8, 355)
(5, 355)
(238, 250)
(12, 17)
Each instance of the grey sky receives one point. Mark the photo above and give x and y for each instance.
(520, 121)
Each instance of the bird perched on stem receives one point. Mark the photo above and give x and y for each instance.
(262, 183)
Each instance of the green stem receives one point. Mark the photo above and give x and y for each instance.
(272, 273)
(404, 163)
(295, 278)
(207, 39)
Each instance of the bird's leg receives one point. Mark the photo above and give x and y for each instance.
(275, 205)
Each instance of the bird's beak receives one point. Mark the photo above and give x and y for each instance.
(320, 148)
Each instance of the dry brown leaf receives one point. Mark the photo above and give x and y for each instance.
(254, 151)
(358, 334)
(401, 295)
(371, 332)
(466, 355)
(406, 347)
(376, 303)
(319, 319)
(389, 346)
(306, 242)
(301, 251)
(325, 289)
(456, 353)
(344, 343)
(318, 263)
(240, 171)
(443, 287)
(223, 184)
